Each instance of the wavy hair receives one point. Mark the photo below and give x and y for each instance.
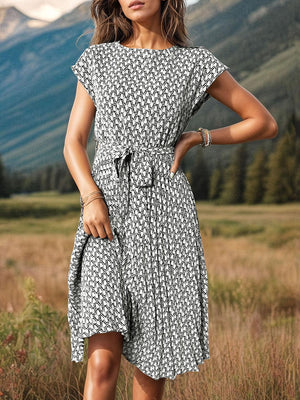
(111, 24)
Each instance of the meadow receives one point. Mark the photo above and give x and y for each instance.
(252, 256)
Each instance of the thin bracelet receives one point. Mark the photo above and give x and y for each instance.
(90, 194)
(96, 194)
(207, 134)
(92, 199)
(203, 144)
(202, 132)
(208, 137)
(199, 130)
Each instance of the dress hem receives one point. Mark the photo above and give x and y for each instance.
(200, 361)
(194, 368)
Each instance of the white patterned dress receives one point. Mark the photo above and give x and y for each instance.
(150, 282)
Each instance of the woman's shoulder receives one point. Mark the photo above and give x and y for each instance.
(195, 51)
(200, 49)
(193, 54)
(202, 54)
(97, 48)
(95, 53)
(100, 46)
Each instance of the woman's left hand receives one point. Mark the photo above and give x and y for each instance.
(186, 141)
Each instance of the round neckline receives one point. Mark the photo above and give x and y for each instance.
(144, 48)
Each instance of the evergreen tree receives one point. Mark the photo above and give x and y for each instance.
(297, 185)
(66, 183)
(4, 182)
(281, 180)
(215, 183)
(32, 183)
(256, 178)
(45, 178)
(233, 187)
(16, 179)
(55, 176)
(297, 171)
(200, 178)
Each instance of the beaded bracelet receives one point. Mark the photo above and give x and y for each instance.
(206, 137)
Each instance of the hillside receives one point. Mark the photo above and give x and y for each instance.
(38, 86)
(13, 21)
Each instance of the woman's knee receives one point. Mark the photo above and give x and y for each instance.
(102, 367)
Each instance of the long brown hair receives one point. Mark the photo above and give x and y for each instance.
(111, 24)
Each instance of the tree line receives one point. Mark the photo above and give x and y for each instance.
(267, 178)
(52, 177)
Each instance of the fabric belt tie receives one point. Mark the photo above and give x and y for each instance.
(138, 173)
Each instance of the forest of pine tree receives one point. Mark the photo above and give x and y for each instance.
(261, 178)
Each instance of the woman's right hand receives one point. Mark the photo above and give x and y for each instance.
(96, 220)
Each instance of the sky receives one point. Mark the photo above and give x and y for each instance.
(48, 10)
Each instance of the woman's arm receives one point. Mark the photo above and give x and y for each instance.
(257, 122)
(79, 126)
(95, 215)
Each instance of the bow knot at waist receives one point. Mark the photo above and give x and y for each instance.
(120, 156)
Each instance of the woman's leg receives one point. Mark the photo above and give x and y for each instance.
(146, 388)
(104, 357)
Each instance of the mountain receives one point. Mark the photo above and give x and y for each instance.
(13, 22)
(75, 16)
(256, 39)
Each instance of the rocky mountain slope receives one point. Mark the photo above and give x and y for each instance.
(256, 39)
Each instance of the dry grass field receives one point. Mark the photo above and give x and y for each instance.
(252, 256)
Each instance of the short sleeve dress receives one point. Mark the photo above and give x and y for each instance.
(150, 283)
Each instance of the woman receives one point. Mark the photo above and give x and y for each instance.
(137, 279)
